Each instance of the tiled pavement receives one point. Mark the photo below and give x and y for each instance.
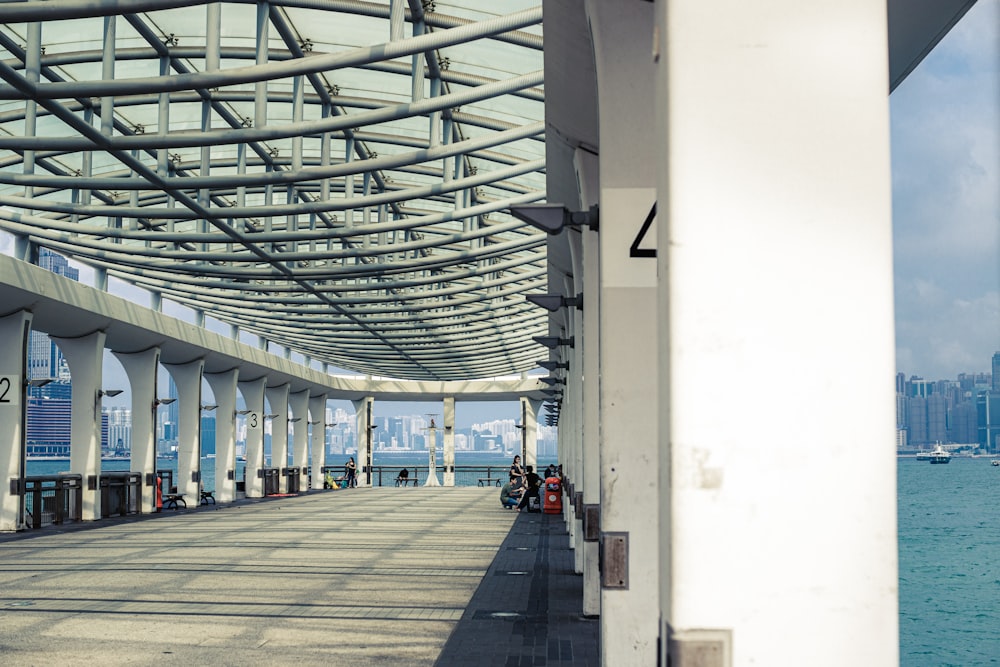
(526, 611)
(374, 577)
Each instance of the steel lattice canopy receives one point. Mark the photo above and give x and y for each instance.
(332, 177)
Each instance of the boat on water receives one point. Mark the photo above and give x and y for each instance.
(939, 455)
(995, 462)
(924, 456)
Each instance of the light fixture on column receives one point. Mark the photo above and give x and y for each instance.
(164, 401)
(271, 416)
(552, 342)
(108, 392)
(208, 408)
(552, 381)
(39, 382)
(294, 419)
(550, 365)
(553, 302)
(552, 218)
(552, 392)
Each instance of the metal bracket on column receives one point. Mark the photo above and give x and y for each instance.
(701, 648)
(150, 479)
(91, 482)
(15, 486)
(613, 560)
(230, 474)
(591, 522)
(260, 473)
(195, 475)
(578, 504)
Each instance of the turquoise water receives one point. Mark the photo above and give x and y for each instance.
(392, 463)
(949, 563)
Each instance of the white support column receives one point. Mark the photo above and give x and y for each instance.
(141, 368)
(187, 378)
(253, 398)
(585, 328)
(629, 456)
(529, 420)
(14, 331)
(777, 268)
(449, 440)
(277, 401)
(363, 411)
(299, 402)
(317, 418)
(582, 396)
(85, 357)
(224, 388)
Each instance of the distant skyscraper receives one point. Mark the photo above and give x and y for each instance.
(988, 420)
(44, 358)
(996, 372)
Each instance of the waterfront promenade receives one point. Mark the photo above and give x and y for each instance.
(390, 576)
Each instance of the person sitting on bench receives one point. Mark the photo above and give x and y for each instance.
(403, 478)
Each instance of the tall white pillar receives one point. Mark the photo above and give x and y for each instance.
(317, 443)
(277, 401)
(627, 285)
(776, 269)
(363, 410)
(224, 389)
(529, 420)
(299, 403)
(85, 357)
(449, 440)
(253, 398)
(141, 369)
(582, 395)
(14, 331)
(187, 378)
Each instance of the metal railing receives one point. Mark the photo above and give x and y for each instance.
(53, 499)
(386, 475)
(121, 493)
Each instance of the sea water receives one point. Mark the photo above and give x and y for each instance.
(949, 563)
(392, 462)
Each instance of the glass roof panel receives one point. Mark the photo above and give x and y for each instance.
(319, 161)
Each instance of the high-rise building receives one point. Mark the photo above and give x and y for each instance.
(988, 421)
(996, 373)
(918, 421)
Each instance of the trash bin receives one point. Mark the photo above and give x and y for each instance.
(553, 496)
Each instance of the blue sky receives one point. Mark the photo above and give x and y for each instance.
(946, 202)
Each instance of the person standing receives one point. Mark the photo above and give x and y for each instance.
(352, 473)
(516, 471)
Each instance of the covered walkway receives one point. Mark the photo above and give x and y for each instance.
(364, 577)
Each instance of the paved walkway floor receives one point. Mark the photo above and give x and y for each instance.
(526, 611)
(362, 577)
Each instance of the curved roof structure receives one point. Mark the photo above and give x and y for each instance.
(330, 175)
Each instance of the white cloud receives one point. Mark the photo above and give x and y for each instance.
(946, 202)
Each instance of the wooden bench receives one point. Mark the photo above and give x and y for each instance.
(207, 497)
(488, 481)
(172, 501)
(403, 481)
